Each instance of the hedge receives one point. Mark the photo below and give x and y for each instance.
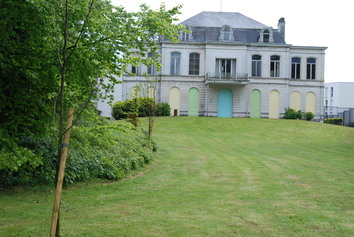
(335, 121)
(144, 106)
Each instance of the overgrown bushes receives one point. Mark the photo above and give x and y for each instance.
(143, 106)
(293, 114)
(102, 151)
(335, 121)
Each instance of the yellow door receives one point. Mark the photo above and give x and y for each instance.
(274, 104)
(311, 102)
(295, 101)
(175, 101)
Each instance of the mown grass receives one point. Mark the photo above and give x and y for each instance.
(212, 177)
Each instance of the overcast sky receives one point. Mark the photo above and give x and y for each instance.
(326, 23)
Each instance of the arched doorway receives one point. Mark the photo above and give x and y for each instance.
(193, 102)
(295, 101)
(274, 104)
(255, 110)
(174, 101)
(225, 103)
(311, 102)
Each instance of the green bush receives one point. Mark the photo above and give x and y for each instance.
(17, 163)
(292, 114)
(102, 151)
(118, 110)
(308, 116)
(163, 109)
(145, 106)
(335, 121)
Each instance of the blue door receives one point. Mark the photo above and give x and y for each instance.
(225, 103)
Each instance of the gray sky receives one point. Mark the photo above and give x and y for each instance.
(308, 23)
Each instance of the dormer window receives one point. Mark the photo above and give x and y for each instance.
(186, 36)
(226, 34)
(266, 36)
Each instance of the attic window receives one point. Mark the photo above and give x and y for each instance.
(266, 36)
(186, 36)
(226, 34)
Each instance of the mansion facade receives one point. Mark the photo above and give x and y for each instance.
(229, 65)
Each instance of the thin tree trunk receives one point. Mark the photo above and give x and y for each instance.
(54, 230)
(61, 104)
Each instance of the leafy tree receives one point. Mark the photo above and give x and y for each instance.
(27, 75)
(61, 51)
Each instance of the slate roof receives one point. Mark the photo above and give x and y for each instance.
(219, 19)
(206, 26)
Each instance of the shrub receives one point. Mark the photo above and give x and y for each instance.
(118, 110)
(133, 118)
(17, 163)
(145, 106)
(292, 114)
(101, 151)
(308, 116)
(163, 109)
(335, 121)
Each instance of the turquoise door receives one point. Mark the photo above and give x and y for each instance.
(193, 102)
(225, 103)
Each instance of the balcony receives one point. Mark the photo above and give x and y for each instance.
(227, 78)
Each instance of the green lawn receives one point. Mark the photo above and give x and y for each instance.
(211, 177)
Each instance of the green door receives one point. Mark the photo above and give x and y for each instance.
(193, 102)
(255, 111)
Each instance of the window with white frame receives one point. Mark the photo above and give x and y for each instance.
(266, 35)
(186, 36)
(151, 68)
(194, 63)
(225, 68)
(175, 63)
(274, 66)
(311, 68)
(226, 34)
(136, 70)
(256, 65)
(295, 68)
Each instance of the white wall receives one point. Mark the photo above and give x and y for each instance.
(104, 106)
(343, 94)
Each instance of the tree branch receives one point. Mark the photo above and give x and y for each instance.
(82, 30)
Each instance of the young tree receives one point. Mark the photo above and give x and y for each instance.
(63, 50)
(148, 89)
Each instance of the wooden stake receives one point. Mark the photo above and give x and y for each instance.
(59, 186)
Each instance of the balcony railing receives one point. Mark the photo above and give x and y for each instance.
(235, 78)
(227, 76)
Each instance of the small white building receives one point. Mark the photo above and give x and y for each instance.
(339, 97)
(230, 65)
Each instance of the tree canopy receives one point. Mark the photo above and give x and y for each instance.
(91, 40)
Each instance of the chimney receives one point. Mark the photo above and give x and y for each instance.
(281, 27)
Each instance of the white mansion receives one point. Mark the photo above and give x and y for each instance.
(230, 65)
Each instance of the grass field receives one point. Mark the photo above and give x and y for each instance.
(211, 177)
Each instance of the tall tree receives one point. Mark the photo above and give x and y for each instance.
(67, 52)
(27, 76)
